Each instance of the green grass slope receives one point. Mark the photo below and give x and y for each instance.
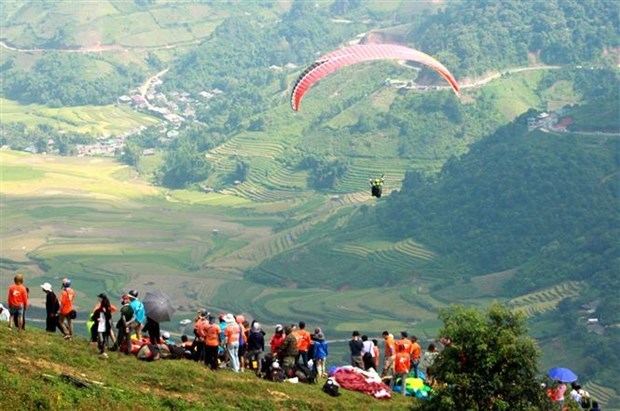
(31, 365)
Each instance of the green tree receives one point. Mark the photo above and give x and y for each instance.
(184, 164)
(488, 364)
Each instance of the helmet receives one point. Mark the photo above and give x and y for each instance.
(134, 293)
(166, 335)
(66, 282)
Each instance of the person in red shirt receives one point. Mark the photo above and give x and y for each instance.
(277, 340)
(303, 344)
(402, 364)
(67, 296)
(18, 302)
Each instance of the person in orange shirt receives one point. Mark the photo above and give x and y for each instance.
(390, 354)
(303, 344)
(67, 313)
(233, 334)
(402, 364)
(18, 302)
(210, 332)
(376, 352)
(277, 340)
(404, 342)
(416, 353)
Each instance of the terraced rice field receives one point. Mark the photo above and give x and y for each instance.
(546, 299)
(401, 253)
(603, 395)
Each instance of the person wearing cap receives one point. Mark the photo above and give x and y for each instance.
(233, 334)
(138, 310)
(52, 305)
(18, 302)
(124, 325)
(356, 346)
(277, 339)
(320, 352)
(167, 338)
(65, 318)
(256, 347)
(4, 314)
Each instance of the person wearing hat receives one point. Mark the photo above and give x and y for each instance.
(320, 353)
(52, 305)
(167, 338)
(124, 325)
(65, 318)
(233, 335)
(256, 346)
(18, 302)
(138, 310)
(277, 339)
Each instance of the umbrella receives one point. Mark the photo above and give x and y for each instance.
(562, 374)
(158, 306)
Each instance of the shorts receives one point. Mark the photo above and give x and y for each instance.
(388, 363)
(241, 350)
(17, 311)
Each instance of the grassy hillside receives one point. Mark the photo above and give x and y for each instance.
(95, 120)
(32, 365)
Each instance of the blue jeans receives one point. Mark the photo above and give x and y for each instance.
(233, 355)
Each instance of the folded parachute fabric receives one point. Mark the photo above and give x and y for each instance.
(355, 379)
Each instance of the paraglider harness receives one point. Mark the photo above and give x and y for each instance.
(376, 186)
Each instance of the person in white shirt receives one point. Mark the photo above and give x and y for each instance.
(368, 353)
(4, 314)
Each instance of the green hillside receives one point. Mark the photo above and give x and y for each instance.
(33, 364)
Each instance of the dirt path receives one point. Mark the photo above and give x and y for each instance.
(147, 83)
(99, 48)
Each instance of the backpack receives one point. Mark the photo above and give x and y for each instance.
(586, 403)
(331, 387)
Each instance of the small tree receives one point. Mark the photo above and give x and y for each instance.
(488, 363)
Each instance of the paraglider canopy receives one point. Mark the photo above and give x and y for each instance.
(360, 53)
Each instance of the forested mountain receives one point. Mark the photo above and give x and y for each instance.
(478, 36)
(545, 203)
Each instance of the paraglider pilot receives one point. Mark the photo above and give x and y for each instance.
(376, 186)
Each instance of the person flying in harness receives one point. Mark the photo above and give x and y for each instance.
(376, 186)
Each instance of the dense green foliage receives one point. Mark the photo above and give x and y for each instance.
(472, 37)
(488, 364)
(58, 80)
(546, 203)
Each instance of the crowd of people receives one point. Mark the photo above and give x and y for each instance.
(230, 341)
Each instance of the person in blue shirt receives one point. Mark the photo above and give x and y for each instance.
(138, 311)
(320, 353)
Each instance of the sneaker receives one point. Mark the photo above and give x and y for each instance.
(67, 337)
(104, 355)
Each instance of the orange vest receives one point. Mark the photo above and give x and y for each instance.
(18, 296)
(416, 351)
(66, 301)
(212, 335)
(402, 363)
(232, 332)
(303, 340)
